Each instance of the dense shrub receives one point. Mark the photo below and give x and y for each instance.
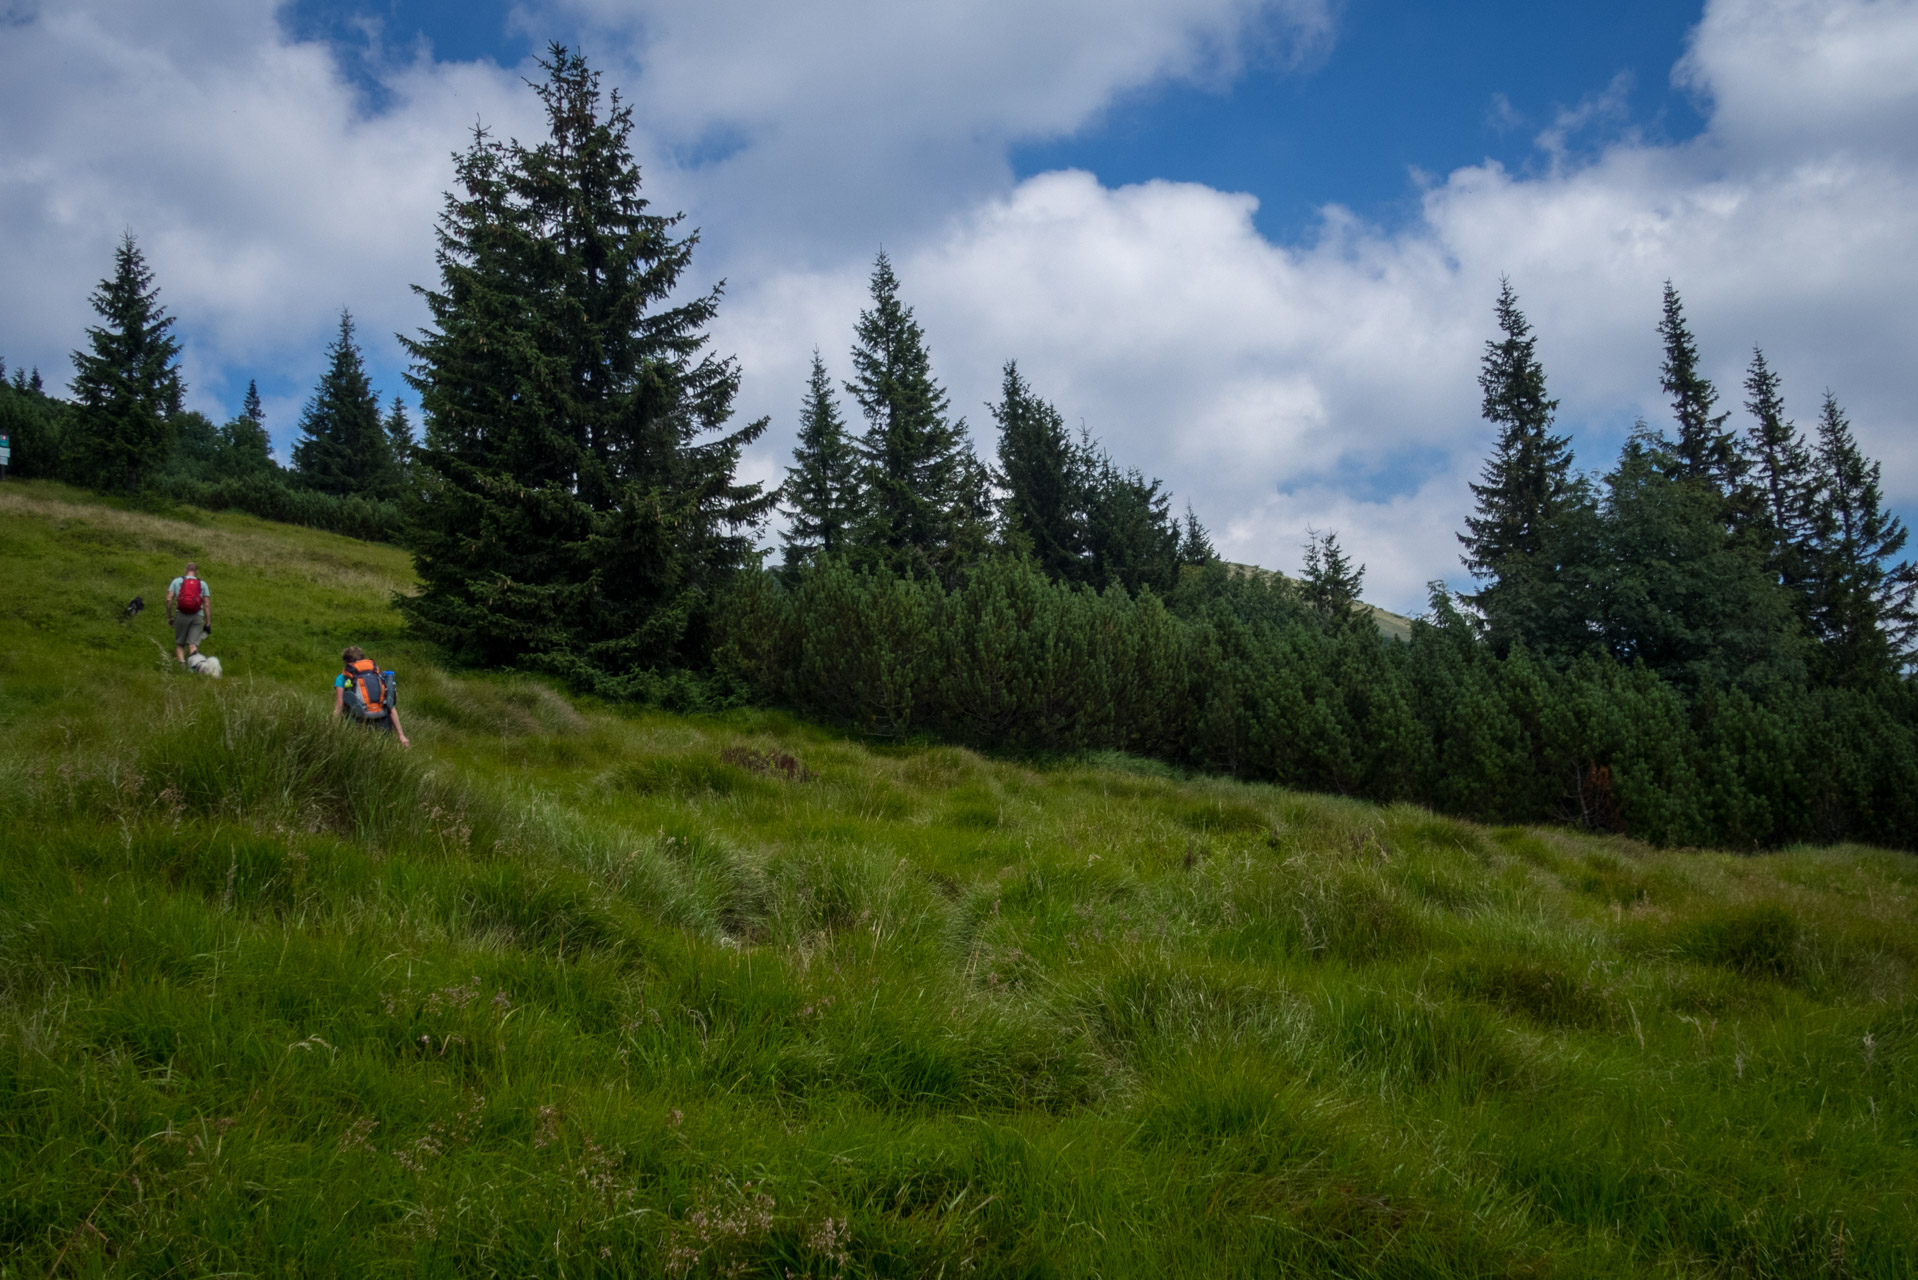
(272, 498)
(1241, 679)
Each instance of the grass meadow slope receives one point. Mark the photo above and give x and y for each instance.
(575, 990)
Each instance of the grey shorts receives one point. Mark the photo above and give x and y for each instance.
(189, 629)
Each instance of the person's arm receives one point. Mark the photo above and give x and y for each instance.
(397, 728)
(339, 701)
(206, 607)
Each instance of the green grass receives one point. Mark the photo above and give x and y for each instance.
(574, 990)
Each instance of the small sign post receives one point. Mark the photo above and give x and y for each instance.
(6, 453)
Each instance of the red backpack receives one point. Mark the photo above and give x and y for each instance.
(190, 597)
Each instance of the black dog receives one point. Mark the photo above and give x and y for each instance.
(133, 606)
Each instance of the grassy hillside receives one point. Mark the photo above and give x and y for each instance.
(576, 991)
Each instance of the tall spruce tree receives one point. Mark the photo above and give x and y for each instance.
(822, 486)
(1043, 480)
(915, 463)
(1783, 477)
(1195, 544)
(579, 503)
(126, 384)
(1681, 593)
(244, 447)
(1517, 542)
(1864, 609)
(1704, 450)
(399, 439)
(343, 447)
(1132, 538)
(1331, 583)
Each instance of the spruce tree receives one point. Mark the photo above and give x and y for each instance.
(1043, 478)
(1515, 543)
(821, 490)
(1132, 537)
(578, 503)
(399, 440)
(1195, 544)
(1782, 476)
(343, 448)
(1704, 450)
(1681, 593)
(244, 448)
(1331, 582)
(1863, 610)
(913, 459)
(195, 454)
(126, 385)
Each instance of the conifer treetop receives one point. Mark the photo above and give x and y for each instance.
(1525, 481)
(1705, 451)
(820, 496)
(126, 380)
(343, 447)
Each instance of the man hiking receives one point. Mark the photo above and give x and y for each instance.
(367, 694)
(190, 611)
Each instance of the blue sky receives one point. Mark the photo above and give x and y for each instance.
(1252, 244)
(1405, 88)
(1401, 89)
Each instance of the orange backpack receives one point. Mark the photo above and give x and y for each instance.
(368, 694)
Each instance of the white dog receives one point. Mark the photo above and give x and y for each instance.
(203, 665)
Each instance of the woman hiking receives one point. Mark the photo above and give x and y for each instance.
(367, 694)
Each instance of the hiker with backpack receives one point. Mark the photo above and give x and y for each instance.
(367, 694)
(190, 611)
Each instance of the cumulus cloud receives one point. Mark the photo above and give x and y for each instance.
(1333, 383)
(268, 191)
(262, 191)
(812, 127)
(1797, 77)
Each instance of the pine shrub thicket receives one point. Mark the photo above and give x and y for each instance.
(36, 424)
(1247, 680)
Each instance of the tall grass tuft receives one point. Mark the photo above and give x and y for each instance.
(264, 758)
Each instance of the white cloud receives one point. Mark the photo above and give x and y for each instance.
(846, 122)
(1328, 383)
(1333, 384)
(263, 194)
(932, 72)
(1809, 76)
